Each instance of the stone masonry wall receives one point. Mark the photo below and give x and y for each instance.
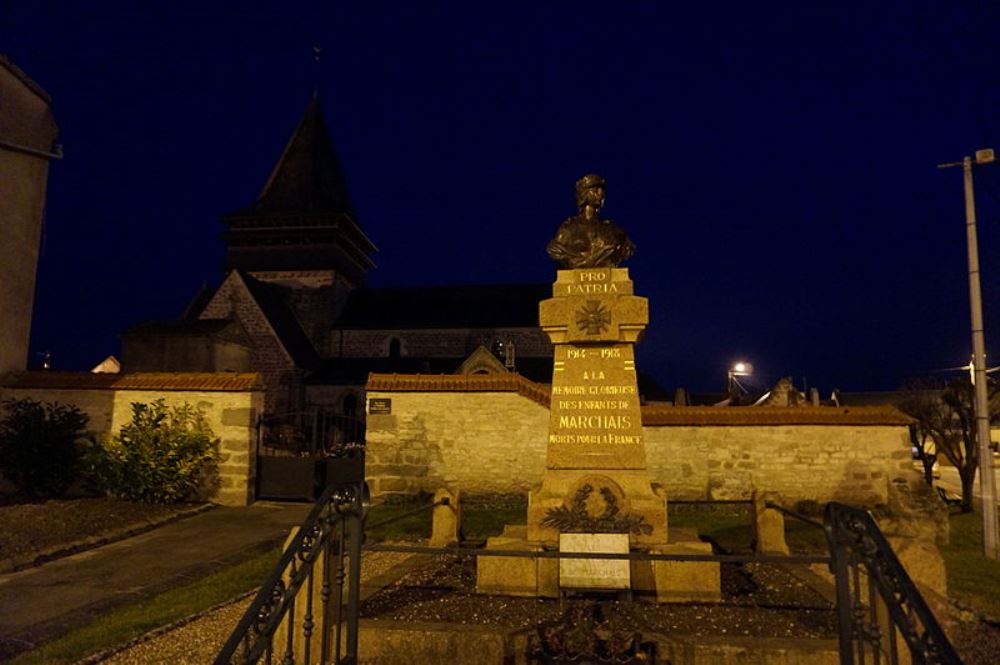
(817, 462)
(231, 415)
(485, 443)
(489, 442)
(266, 353)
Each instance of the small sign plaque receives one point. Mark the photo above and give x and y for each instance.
(594, 573)
(379, 405)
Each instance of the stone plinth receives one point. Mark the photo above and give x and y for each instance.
(595, 436)
(516, 576)
(679, 581)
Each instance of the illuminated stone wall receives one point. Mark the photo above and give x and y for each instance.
(495, 443)
(231, 415)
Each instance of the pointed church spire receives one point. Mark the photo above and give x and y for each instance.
(303, 219)
(308, 176)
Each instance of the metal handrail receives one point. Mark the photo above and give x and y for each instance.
(857, 542)
(794, 514)
(275, 600)
(409, 513)
(630, 556)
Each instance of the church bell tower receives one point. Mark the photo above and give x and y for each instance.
(301, 232)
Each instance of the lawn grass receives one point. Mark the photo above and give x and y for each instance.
(972, 578)
(126, 623)
(482, 523)
(390, 521)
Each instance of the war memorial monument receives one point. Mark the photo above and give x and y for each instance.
(596, 493)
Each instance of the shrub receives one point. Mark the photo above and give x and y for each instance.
(39, 445)
(163, 456)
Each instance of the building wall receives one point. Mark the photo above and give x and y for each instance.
(436, 343)
(231, 415)
(182, 353)
(25, 119)
(495, 442)
(282, 380)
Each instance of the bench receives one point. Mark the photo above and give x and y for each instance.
(948, 498)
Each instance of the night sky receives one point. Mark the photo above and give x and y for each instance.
(773, 162)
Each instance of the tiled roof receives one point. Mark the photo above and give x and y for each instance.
(475, 306)
(773, 415)
(477, 383)
(308, 177)
(195, 381)
(651, 416)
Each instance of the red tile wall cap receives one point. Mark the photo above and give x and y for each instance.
(651, 415)
(773, 415)
(472, 383)
(190, 381)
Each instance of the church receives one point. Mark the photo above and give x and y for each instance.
(295, 307)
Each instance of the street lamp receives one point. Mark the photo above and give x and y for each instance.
(741, 368)
(987, 481)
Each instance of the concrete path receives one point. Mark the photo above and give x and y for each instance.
(39, 604)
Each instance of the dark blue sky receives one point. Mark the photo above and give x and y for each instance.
(774, 162)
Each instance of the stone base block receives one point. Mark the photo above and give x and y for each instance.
(678, 581)
(516, 576)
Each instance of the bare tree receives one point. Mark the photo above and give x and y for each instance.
(948, 417)
(923, 403)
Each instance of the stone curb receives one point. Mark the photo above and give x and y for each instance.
(62, 551)
(101, 656)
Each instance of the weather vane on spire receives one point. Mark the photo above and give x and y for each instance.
(316, 52)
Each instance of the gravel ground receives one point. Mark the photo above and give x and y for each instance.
(758, 600)
(978, 643)
(198, 641)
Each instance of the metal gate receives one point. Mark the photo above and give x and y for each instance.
(300, 453)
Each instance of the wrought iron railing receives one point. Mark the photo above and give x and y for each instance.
(876, 599)
(879, 609)
(329, 538)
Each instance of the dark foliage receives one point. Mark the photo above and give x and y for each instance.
(164, 455)
(40, 446)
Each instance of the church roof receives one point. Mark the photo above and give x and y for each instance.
(481, 306)
(308, 177)
(269, 298)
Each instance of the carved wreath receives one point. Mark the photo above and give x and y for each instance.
(574, 518)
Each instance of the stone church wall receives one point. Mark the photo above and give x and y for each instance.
(281, 378)
(495, 443)
(435, 343)
(232, 415)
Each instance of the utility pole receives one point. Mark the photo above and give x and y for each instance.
(987, 479)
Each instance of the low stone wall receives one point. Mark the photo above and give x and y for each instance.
(488, 436)
(229, 401)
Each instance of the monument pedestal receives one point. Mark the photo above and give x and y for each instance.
(633, 498)
(596, 481)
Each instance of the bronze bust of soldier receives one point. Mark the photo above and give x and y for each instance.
(585, 240)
